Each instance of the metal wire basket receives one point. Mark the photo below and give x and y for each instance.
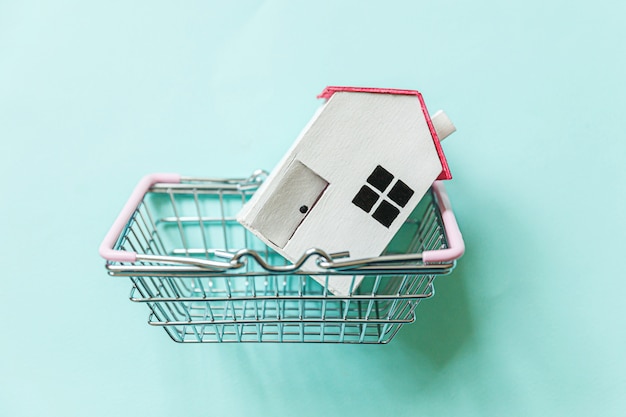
(205, 278)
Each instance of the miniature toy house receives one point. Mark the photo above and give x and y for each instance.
(353, 176)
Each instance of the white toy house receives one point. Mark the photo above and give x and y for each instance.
(353, 176)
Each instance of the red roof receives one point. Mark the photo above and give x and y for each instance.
(445, 173)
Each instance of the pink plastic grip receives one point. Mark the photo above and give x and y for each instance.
(106, 247)
(456, 246)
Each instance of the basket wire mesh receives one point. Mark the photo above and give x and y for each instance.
(251, 302)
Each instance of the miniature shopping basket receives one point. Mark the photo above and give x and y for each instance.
(205, 278)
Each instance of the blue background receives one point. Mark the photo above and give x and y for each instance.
(93, 95)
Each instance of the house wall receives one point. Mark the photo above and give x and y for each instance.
(352, 135)
(355, 133)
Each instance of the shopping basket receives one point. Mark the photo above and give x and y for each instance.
(205, 278)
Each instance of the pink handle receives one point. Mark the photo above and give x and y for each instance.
(106, 247)
(456, 246)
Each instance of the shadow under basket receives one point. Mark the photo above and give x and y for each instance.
(205, 278)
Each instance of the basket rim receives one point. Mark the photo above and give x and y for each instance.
(122, 262)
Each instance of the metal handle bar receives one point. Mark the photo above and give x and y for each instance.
(237, 260)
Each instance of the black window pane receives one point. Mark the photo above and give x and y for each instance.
(400, 193)
(386, 213)
(380, 178)
(365, 198)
